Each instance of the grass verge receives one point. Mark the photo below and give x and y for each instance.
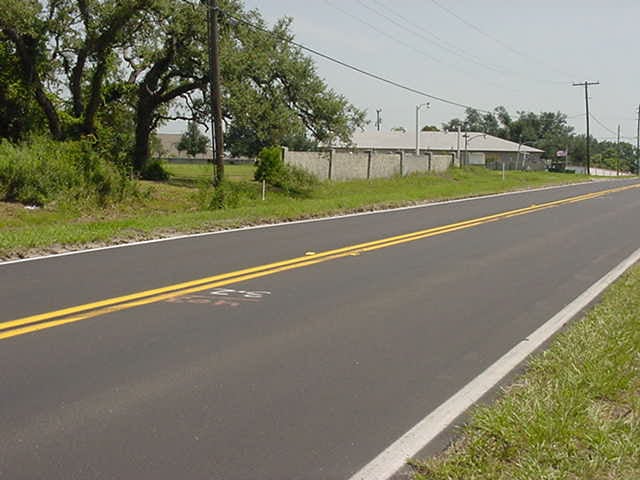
(574, 414)
(164, 209)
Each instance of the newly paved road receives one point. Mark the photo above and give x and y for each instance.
(303, 373)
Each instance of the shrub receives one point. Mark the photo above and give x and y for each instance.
(270, 164)
(154, 171)
(295, 181)
(43, 171)
(229, 195)
(288, 178)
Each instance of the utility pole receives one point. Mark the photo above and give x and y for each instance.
(638, 145)
(458, 148)
(214, 82)
(586, 101)
(618, 154)
(378, 119)
(418, 107)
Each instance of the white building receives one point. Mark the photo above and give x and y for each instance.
(473, 148)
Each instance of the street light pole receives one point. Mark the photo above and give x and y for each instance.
(467, 139)
(458, 148)
(418, 107)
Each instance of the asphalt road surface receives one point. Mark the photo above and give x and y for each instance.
(325, 342)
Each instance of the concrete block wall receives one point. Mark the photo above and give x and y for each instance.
(415, 164)
(441, 163)
(384, 165)
(363, 165)
(349, 166)
(316, 163)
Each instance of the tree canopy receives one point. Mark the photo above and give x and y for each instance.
(193, 141)
(118, 69)
(547, 131)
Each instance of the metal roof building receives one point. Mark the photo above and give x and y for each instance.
(436, 141)
(475, 148)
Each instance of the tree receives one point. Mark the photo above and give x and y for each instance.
(270, 88)
(118, 69)
(547, 131)
(399, 129)
(193, 141)
(430, 128)
(19, 115)
(71, 44)
(24, 35)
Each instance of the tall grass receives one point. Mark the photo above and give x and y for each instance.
(43, 171)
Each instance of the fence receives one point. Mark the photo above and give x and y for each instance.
(334, 165)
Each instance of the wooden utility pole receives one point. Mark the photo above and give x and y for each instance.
(586, 101)
(638, 145)
(618, 153)
(214, 83)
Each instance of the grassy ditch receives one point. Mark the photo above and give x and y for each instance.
(179, 206)
(193, 175)
(575, 413)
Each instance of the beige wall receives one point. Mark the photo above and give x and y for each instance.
(347, 166)
(385, 165)
(316, 163)
(415, 164)
(441, 163)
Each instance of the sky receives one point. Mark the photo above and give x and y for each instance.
(523, 55)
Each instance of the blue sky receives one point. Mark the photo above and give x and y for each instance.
(536, 50)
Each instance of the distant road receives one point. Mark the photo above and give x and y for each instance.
(298, 351)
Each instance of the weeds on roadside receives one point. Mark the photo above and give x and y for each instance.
(43, 171)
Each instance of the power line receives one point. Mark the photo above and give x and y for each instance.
(497, 40)
(602, 124)
(348, 65)
(442, 43)
(391, 37)
(439, 42)
(408, 45)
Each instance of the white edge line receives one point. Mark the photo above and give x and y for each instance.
(393, 458)
(295, 222)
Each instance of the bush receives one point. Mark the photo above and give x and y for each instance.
(43, 171)
(288, 178)
(229, 195)
(154, 171)
(295, 181)
(270, 165)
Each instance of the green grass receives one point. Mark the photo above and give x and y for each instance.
(574, 414)
(168, 209)
(195, 174)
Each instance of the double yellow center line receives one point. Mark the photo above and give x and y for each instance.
(77, 313)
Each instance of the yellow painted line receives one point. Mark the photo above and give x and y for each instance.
(64, 316)
(158, 298)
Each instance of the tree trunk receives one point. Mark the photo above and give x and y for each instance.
(89, 124)
(75, 83)
(144, 127)
(25, 48)
(53, 120)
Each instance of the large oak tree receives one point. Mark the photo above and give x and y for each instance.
(91, 64)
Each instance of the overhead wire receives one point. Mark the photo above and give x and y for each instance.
(418, 30)
(498, 41)
(411, 47)
(347, 65)
(602, 124)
